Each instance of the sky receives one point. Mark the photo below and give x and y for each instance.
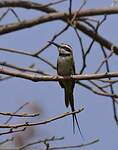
(96, 121)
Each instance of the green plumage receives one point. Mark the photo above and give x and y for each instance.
(66, 67)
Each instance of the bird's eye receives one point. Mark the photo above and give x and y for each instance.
(67, 49)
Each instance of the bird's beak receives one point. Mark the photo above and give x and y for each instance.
(51, 42)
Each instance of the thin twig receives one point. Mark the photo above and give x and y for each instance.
(52, 39)
(28, 69)
(102, 63)
(77, 12)
(62, 16)
(7, 140)
(12, 131)
(19, 115)
(27, 54)
(98, 92)
(56, 148)
(96, 85)
(109, 81)
(111, 87)
(74, 146)
(15, 14)
(70, 8)
(27, 124)
(21, 107)
(4, 14)
(54, 3)
(40, 141)
(84, 54)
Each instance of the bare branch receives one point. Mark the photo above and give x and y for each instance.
(26, 5)
(28, 54)
(111, 87)
(64, 17)
(53, 38)
(28, 69)
(74, 146)
(7, 140)
(36, 77)
(19, 115)
(21, 107)
(70, 8)
(12, 131)
(55, 148)
(41, 122)
(97, 37)
(40, 141)
(4, 14)
(47, 9)
(98, 92)
(102, 63)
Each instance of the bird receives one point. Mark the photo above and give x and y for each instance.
(66, 67)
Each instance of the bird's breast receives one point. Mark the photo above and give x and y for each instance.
(65, 65)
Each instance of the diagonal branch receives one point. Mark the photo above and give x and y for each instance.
(28, 54)
(97, 37)
(59, 16)
(15, 126)
(45, 8)
(26, 5)
(75, 146)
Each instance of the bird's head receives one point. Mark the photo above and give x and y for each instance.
(63, 48)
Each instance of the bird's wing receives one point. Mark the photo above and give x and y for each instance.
(73, 73)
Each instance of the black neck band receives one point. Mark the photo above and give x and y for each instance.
(67, 54)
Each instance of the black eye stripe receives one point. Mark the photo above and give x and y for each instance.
(67, 48)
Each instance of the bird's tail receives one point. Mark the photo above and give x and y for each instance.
(69, 100)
